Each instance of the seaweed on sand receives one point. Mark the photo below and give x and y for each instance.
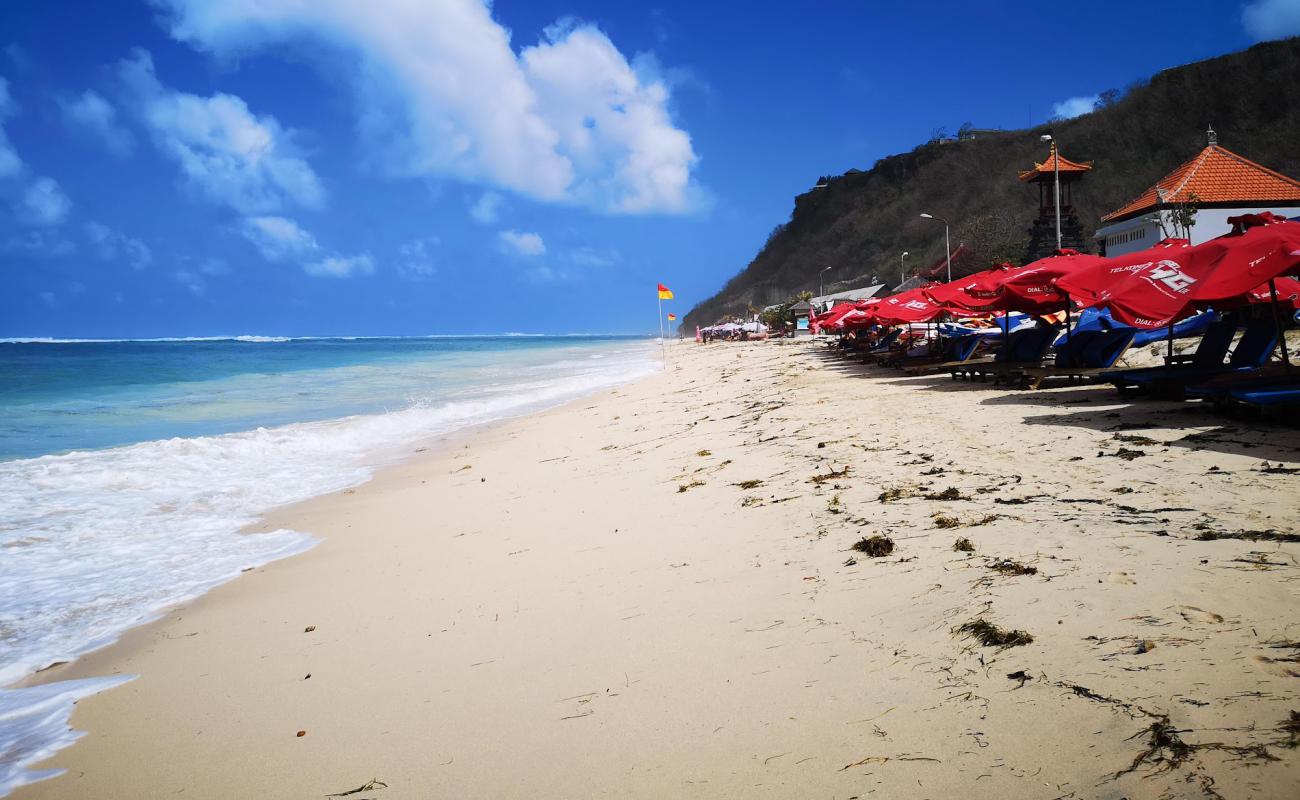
(750, 484)
(1163, 747)
(942, 521)
(686, 487)
(963, 545)
(951, 493)
(826, 476)
(1291, 727)
(1008, 567)
(876, 546)
(991, 635)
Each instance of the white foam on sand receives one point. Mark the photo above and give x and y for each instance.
(93, 543)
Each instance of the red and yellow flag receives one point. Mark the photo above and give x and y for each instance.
(665, 293)
(672, 317)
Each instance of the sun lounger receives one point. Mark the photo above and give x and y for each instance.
(1287, 395)
(956, 350)
(1023, 348)
(1086, 355)
(1251, 352)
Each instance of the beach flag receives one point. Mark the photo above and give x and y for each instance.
(672, 317)
(665, 293)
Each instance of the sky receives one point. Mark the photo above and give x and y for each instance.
(397, 167)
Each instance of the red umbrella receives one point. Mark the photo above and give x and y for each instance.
(1261, 248)
(1083, 285)
(831, 320)
(958, 295)
(1030, 288)
(1288, 293)
(909, 306)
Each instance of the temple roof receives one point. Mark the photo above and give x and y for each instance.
(1215, 175)
(1047, 169)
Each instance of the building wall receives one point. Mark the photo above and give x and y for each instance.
(1143, 232)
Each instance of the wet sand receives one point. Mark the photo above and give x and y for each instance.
(653, 592)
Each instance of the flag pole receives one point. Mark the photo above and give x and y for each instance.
(663, 347)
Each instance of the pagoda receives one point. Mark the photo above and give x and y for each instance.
(1042, 234)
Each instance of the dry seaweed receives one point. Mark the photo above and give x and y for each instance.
(963, 545)
(369, 786)
(895, 493)
(951, 493)
(826, 476)
(874, 546)
(991, 635)
(1008, 567)
(1164, 748)
(1291, 727)
(941, 521)
(704, 453)
(1141, 441)
(1268, 535)
(750, 484)
(686, 487)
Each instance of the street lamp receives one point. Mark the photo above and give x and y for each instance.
(821, 283)
(946, 248)
(1056, 183)
(902, 269)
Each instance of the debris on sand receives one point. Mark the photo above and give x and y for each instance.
(704, 453)
(894, 493)
(369, 786)
(1268, 535)
(941, 521)
(1164, 748)
(1008, 567)
(874, 546)
(750, 484)
(952, 493)
(1123, 452)
(826, 476)
(1291, 727)
(1141, 441)
(991, 635)
(686, 487)
(963, 545)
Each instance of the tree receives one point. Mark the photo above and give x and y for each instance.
(1106, 99)
(1179, 217)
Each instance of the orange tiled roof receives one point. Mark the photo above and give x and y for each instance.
(1216, 175)
(1048, 167)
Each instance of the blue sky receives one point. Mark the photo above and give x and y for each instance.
(282, 167)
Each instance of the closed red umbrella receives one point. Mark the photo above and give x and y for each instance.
(1261, 248)
(1083, 285)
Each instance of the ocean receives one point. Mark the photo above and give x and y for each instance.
(128, 468)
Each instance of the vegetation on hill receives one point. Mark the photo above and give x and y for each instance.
(859, 222)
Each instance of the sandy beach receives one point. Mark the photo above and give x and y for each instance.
(653, 592)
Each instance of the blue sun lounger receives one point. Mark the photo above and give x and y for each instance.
(1085, 354)
(1251, 352)
(1272, 397)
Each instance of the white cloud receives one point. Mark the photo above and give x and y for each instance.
(341, 266)
(110, 245)
(43, 243)
(487, 208)
(278, 238)
(225, 152)
(10, 163)
(415, 259)
(590, 257)
(1075, 106)
(443, 94)
(520, 243)
(1271, 19)
(97, 116)
(191, 281)
(42, 203)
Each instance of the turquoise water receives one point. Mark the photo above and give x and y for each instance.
(56, 397)
(129, 469)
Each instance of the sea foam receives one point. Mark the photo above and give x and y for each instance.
(93, 543)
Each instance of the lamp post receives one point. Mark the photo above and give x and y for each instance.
(821, 282)
(902, 269)
(1056, 183)
(946, 248)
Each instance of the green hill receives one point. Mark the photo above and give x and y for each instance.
(860, 222)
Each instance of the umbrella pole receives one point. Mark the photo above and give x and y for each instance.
(1277, 320)
(1170, 357)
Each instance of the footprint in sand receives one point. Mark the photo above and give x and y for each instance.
(1197, 615)
(1282, 670)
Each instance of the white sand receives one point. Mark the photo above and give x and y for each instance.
(585, 603)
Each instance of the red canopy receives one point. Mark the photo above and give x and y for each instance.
(1288, 293)
(1030, 288)
(957, 296)
(909, 306)
(831, 319)
(1262, 247)
(1084, 284)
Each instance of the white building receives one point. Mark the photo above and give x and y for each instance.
(1218, 183)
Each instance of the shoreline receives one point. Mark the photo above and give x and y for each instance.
(597, 598)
